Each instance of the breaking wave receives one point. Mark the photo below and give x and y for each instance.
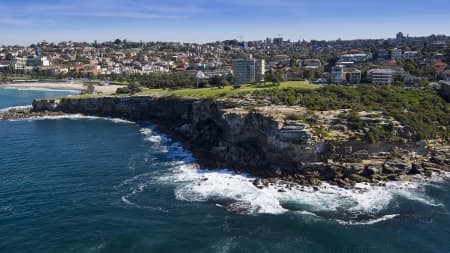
(363, 205)
(42, 89)
(75, 117)
(16, 107)
(369, 222)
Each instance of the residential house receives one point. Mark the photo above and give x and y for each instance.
(310, 63)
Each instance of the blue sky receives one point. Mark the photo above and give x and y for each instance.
(27, 21)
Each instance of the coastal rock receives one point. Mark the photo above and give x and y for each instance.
(371, 171)
(259, 140)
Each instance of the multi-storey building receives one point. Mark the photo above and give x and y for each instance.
(310, 63)
(410, 55)
(381, 76)
(341, 74)
(278, 41)
(38, 61)
(396, 54)
(19, 64)
(248, 71)
(337, 74)
(355, 58)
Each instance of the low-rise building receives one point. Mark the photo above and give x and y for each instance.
(410, 55)
(382, 54)
(310, 63)
(348, 75)
(86, 69)
(381, 76)
(357, 58)
(353, 76)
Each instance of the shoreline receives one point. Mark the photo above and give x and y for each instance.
(107, 89)
(310, 174)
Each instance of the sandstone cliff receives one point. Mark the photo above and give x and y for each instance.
(265, 141)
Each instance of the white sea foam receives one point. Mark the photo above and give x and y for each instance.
(16, 108)
(369, 222)
(42, 89)
(141, 185)
(194, 184)
(75, 117)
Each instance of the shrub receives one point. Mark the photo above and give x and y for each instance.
(124, 90)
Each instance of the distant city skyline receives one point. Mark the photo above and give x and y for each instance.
(27, 21)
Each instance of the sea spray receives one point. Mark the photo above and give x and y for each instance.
(346, 206)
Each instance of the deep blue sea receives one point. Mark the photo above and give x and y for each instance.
(86, 184)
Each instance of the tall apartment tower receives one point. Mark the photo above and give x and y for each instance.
(248, 71)
(400, 39)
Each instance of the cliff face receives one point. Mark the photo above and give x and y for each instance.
(261, 141)
(237, 138)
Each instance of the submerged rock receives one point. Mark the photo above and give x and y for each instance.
(239, 207)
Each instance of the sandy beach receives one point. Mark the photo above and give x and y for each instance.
(66, 86)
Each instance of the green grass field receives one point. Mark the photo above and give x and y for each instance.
(215, 92)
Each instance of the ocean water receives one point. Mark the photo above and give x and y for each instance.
(87, 184)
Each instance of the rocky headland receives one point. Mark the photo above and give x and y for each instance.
(287, 143)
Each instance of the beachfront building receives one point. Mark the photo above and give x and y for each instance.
(248, 71)
(19, 64)
(38, 61)
(88, 69)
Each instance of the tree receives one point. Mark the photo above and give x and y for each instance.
(308, 74)
(218, 81)
(274, 77)
(230, 78)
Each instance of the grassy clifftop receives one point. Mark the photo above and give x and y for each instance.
(423, 113)
(229, 90)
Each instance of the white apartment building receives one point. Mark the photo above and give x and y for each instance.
(20, 64)
(310, 63)
(381, 76)
(341, 74)
(410, 55)
(355, 58)
(38, 61)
